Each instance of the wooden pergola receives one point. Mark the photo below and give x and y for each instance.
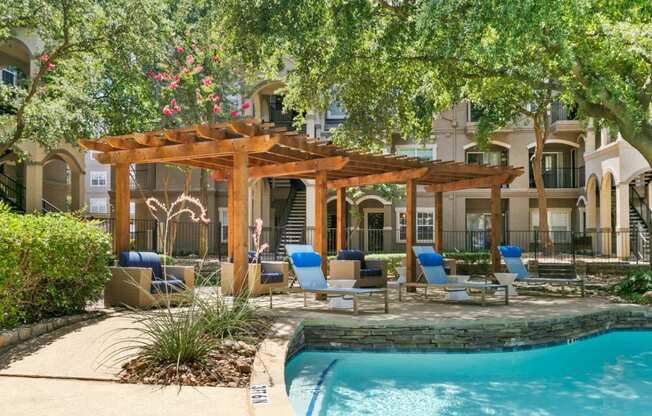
(242, 149)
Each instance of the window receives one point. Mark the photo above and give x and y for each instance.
(98, 205)
(474, 113)
(98, 178)
(9, 76)
(421, 151)
(224, 223)
(133, 183)
(132, 209)
(425, 225)
(494, 157)
(559, 222)
(335, 111)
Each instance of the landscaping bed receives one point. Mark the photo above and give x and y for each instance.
(229, 364)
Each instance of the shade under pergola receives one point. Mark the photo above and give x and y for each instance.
(241, 149)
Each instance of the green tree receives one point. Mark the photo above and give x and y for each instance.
(63, 100)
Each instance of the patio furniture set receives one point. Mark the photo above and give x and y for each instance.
(140, 281)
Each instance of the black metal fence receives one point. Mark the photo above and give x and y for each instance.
(565, 246)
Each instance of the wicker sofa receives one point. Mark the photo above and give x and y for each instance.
(140, 281)
(351, 264)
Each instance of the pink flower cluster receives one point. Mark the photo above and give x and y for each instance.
(45, 58)
(172, 108)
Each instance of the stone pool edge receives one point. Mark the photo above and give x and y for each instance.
(505, 334)
(291, 336)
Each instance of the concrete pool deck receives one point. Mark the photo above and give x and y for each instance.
(64, 372)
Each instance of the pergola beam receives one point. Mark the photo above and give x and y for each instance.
(482, 182)
(295, 168)
(399, 176)
(189, 151)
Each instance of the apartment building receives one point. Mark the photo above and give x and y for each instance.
(47, 180)
(596, 186)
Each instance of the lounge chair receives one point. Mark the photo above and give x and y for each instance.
(512, 257)
(307, 269)
(430, 266)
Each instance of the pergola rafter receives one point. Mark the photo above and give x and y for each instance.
(240, 150)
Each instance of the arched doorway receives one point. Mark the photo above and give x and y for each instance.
(63, 182)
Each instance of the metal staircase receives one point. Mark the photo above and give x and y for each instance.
(12, 193)
(293, 221)
(640, 219)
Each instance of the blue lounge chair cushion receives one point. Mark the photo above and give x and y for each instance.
(431, 259)
(371, 273)
(352, 255)
(271, 277)
(167, 286)
(143, 259)
(308, 259)
(510, 251)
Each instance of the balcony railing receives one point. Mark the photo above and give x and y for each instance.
(560, 177)
(560, 112)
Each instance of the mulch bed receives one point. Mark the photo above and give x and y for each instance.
(229, 365)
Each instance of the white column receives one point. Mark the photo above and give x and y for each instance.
(33, 187)
(589, 138)
(622, 220)
(649, 194)
(310, 203)
(604, 137)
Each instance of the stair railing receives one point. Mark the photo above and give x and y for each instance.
(12, 191)
(285, 215)
(637, 201)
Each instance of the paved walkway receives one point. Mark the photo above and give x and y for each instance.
(70, 372)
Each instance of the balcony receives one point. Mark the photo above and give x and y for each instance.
(564, 119)
(559, 178)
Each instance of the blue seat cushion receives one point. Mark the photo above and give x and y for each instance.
(510, 251)
(431, 259)
(251, 255)
(167, 286)
(271, 277)
(144, 259)
(308, 259)
(352, 255)
(371, 273)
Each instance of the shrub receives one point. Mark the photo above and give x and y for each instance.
(51, 265)
(223, 321)
(634, 286)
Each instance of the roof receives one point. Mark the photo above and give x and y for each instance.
(275, 151)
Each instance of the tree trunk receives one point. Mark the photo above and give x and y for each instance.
(541, 133)
(203, 197)
(173, 226)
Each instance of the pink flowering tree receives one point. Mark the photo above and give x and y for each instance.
(198, 84)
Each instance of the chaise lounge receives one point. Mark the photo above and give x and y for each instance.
(430, 266)
(306, 264)
(565, 276)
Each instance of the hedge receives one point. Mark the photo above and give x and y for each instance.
(51, 265)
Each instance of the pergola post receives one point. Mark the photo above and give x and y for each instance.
(239, 221)
(321, 234)
(121, 209)
(496, 227)
(411, 230)
(439, 218)
(229, 217)
(341, 219)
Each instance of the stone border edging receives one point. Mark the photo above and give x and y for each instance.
(464, 336)
(11, 337)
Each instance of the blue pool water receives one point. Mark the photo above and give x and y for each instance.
(610, 374)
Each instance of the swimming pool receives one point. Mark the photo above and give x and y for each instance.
(610, 374)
